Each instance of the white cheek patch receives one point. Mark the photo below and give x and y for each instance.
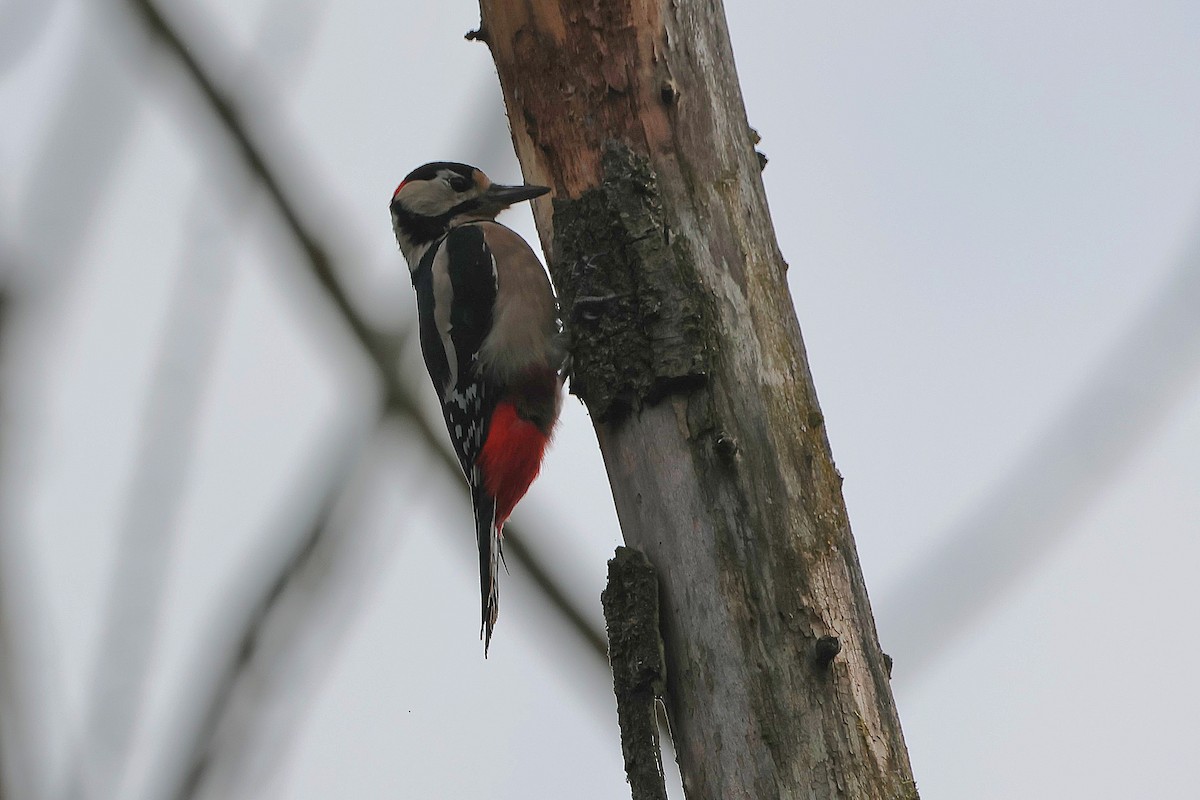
(427, 198)
(433, 198)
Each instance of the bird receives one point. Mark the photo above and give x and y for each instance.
(491, 338)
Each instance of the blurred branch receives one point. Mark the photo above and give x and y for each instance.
(129, 625)
(77, 158)
(75, 161)
(1116, 410)
(30, 679)
(22, 23)
(543, 579)
(17, 759)
(239, 643)
(253, 724)
(130, 618)
(383, 350)
(12, 762)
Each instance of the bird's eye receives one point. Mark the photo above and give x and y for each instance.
(459, 184)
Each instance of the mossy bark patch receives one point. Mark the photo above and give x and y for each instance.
(638, 316)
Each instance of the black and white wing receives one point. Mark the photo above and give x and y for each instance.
(456, 295)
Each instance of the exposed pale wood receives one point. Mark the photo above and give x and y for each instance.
(688, 353)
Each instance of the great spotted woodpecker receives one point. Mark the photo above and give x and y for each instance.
(490, 336)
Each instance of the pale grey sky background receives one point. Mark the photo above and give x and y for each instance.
(991, 215)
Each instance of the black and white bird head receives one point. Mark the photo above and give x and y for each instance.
(435, 197)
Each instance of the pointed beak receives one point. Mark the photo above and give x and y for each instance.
(499, 196)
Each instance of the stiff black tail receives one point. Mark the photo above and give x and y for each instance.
(488, 538)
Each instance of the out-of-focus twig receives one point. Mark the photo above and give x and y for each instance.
(12, 762)
(382, 349)
(243, 741)
(1114, 412)
(235, 656)
(22, 23)
(128, 628)
(543, 578)
(129, 624)
(77, 158)
(30, 680)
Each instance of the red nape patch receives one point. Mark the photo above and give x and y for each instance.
(398, 188)
(511, 458)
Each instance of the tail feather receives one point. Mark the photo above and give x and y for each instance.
(508, 462)
(488, 535)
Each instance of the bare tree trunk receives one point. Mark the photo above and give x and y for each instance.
(688, 354)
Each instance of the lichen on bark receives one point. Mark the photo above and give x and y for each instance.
(637, 314)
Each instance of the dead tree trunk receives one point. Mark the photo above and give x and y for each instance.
(688, 354)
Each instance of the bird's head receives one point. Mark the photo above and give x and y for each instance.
(433, 198)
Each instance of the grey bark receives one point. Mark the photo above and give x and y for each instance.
(687, 352)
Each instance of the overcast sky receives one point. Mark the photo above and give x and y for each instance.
(985, 211)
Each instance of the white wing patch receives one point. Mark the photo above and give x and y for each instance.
(443, 298)
(443, 295)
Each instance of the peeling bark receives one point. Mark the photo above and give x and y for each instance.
(687, 352)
